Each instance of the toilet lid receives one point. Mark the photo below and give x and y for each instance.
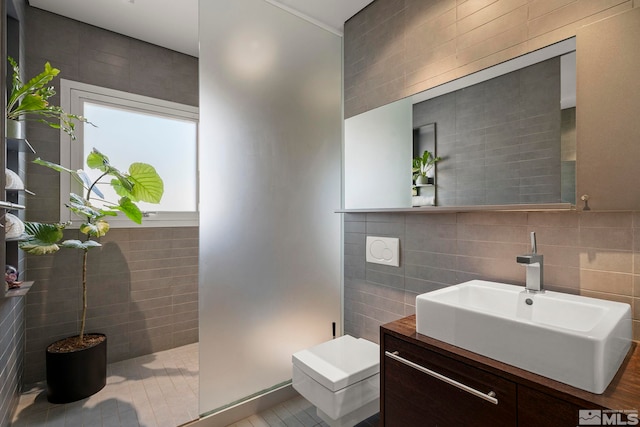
(341, 362)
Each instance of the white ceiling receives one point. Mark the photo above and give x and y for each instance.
(174, 24)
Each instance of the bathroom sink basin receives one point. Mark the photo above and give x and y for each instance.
(573, 339)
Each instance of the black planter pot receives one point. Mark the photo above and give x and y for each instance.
(78, 374)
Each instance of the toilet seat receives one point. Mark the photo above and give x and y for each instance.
(340, 377)
(339, 363)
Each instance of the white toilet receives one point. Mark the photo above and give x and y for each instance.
(341, 378)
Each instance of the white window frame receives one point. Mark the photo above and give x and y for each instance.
(72, 97)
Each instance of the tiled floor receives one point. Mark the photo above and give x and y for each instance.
(296, 412)
(157, 390)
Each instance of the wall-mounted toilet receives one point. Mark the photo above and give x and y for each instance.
(341, 378)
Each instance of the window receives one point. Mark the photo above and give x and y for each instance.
(131, 128)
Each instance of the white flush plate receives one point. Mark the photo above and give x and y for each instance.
(383, 250)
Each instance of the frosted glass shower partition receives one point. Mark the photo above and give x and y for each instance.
(270, 155)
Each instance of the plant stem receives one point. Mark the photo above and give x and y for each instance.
(84, 269)
(94, 184)
(84, 293)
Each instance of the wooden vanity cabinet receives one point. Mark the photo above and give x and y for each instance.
(537, 409)
(415, 398)
(426, 382)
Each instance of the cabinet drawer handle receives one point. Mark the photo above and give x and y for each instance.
(489, 397)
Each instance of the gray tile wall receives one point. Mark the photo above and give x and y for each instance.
(12, 318)
(499, 140)
(397, 48)
(587, 253)
(142, 292)
(143, 288)
(12, 336)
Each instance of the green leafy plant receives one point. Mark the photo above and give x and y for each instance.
(422, 165)
(31, 99)
(141, 183)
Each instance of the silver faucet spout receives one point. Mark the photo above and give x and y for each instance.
(533, 262)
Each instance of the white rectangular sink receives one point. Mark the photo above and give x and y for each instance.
(573, 339)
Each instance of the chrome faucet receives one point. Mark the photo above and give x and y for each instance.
(533, 263)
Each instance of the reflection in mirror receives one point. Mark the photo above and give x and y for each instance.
(424, 154)
(501, 139)
(506, 135)
(377, 158)
(568, 127)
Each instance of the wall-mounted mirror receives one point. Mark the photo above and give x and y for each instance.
(506, 135)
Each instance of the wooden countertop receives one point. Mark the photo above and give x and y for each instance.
(623, 392)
